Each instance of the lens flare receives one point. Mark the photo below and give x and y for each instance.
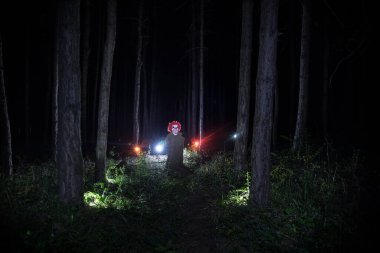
(159, 148)
(137, 149)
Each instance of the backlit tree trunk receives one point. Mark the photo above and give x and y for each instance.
(201, 74)
(265, 82)
(303, 77)
(242, 126)
(104, 94)
(194, 83)
(69, 152)
(139, 63)
(6, 139)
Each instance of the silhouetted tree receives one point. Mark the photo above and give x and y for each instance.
(26, 91)
(201, 73)
(265, 82)
(303, 77)
(6, 143)
(104, 93)
(194, 72)
(84, 64)
(69, 152)
(242, 126)
(139, 63)
(54, 94)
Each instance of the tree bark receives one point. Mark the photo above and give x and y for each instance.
(85, 59)
(201, 74)
(69, 157)
(242, 126)
(104, 94)
(265, 82)
(139, 63)
(303, 77)
(6, 144)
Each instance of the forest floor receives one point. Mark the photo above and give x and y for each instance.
(142, 208)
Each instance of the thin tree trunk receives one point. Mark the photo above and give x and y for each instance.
(139, 63)
(85, 59)
(145, 106)
(303, 77)
(325, 96)
(48, 100)
(194, 83)
(104, 94)
(201, 74)
(54, 99)
(97, 70)
(69, 153)
(6, 144)
(242, 126)
(26, 94)
(275, 116)
(265, 82)
(292, 67)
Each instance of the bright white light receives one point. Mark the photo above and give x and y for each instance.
(235, 136)
(159, 148)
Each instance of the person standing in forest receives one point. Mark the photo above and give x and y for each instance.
(174, 143)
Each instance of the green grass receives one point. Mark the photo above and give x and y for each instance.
(141, 209)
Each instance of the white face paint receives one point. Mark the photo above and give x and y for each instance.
(175, 129)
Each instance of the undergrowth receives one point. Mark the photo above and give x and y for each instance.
(140, 208)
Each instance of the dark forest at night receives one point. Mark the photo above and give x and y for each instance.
(187, 126)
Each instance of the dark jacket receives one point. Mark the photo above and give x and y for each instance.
(174, 146)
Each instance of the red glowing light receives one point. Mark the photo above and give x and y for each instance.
(137, 149)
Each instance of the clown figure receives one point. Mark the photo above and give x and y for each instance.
(174, 143)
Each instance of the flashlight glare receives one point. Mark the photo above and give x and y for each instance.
(159, 148)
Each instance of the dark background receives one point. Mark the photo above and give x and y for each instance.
(352, 97)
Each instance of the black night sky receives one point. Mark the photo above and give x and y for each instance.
(167, 41)
(167, 36)
(28, 30)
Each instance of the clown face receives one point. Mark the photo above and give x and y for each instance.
(175, 129)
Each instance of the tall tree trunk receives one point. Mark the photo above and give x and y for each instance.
(242, 126)
(85, 59)
(54, 99)
(265, 82)
(26, 95)
(153, 90)
(292, 66)
(146, 123)
(194, 83)
(303, 77)
(69, 153)
(97, 71)
(48, 100)
(6, 144)
(139, 63)
(104, 94)
(325, 96)
(275, 116)
(201, 74)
